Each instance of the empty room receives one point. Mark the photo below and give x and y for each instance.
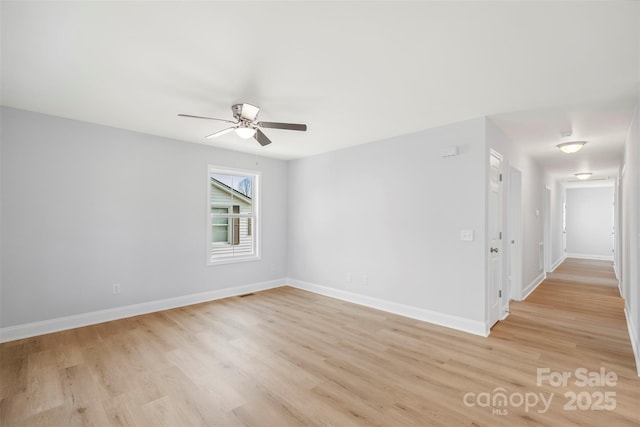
(358, 213)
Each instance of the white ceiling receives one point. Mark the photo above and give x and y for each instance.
(355, 72)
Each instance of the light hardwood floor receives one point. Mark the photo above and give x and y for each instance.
(286, 357)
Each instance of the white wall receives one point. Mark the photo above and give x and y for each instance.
(617, 259)
(533, 185)
(85, 206)
(392, 211)
(630, 227)
(590, 222)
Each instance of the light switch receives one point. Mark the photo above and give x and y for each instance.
(466, 235)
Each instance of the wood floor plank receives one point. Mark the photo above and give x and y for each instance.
(289, 357)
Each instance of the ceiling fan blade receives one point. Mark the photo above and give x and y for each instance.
(208, 118)
(288, 126)
(261, 138)
(220, 132)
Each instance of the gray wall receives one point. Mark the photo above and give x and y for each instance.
(392, 210)
(85, 206)
(590, 222)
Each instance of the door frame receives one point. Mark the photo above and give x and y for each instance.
(547, 230)
(564, 224)
(491, 297)
(513, 285)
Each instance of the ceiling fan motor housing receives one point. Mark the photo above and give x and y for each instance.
(245, 112)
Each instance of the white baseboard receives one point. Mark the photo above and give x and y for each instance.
(27, 330)
(587, 256)
(454, 322)
(557, 263)
(532, 286)
(633, 335)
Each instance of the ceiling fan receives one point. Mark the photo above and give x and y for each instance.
(246, 125)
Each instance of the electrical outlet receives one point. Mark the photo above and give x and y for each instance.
(116, 288)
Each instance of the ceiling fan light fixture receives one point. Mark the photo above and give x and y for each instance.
(582, 175)
(571, 147)
(245, 132)
(246, 126)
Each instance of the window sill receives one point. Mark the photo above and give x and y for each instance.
(233, 260)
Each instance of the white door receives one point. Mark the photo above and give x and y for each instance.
(495, 237)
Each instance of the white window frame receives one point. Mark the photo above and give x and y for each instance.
(254, 216)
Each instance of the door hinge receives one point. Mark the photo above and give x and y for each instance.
(500, 235)
(500, 178)
(500, 293)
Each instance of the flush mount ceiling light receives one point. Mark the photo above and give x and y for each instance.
(583, 175)
(572, 146)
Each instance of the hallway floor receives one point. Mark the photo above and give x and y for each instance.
(574, 323)
(585, 272)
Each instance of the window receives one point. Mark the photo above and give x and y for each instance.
(233, 215)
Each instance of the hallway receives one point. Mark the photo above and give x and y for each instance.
(575, 319)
